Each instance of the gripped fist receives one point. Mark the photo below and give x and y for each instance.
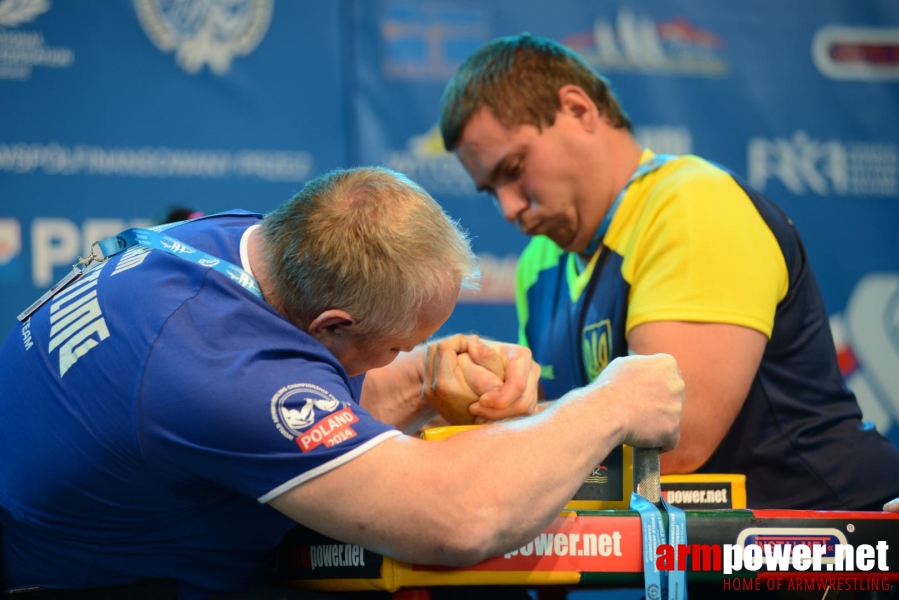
(467, 380)
(647, 393)
(521, 379)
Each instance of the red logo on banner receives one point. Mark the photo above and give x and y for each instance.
(583, 544)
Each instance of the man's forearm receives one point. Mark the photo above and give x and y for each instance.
(392, 394)
(490, 489)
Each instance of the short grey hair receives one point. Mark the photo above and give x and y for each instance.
(368, 241)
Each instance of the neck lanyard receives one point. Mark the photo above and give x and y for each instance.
(154, 239)
(596, 243)
(643, 169)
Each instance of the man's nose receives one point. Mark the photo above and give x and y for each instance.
(510, 202)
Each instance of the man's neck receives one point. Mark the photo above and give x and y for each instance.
(625, 154)
(259, 267)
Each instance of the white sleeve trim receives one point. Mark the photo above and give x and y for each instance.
(329, 466)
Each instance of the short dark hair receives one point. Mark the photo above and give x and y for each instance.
(518, 78)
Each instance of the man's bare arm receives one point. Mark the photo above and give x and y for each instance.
(483, 492)
(718, 362)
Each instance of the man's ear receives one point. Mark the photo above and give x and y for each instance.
(574, 101)
(330, 323)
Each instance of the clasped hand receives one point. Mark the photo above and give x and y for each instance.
(470, 380)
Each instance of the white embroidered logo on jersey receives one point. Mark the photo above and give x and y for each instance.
(293, 410)
(75, 316)
(131, 258)
(26, 335)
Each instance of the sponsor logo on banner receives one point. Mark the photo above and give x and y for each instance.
(22, 51)
(427, 162)
(204, 32)
(804, 165)
(57, 243)
(570, 544)
(773, 537)
(306, 554)
(324, 556)
(698, 495)
(497, 281)
(857, 53)
(576, 544)
(633, 43)
(428, 41)
(154, 162)
(866, 336)
(293, 410)
(10, 249)
(665, 139)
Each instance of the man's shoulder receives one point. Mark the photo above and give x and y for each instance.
(690, 171)
(687, 185)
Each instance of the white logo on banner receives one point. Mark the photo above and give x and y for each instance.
(16, 12)
(205, 32)
(497, 281)
(146, 161)
(664, 139)
(426, 162)
(57, 242)
(640, 44)
(857, 53)
(21, 51)
(866, 336)
(824, 167)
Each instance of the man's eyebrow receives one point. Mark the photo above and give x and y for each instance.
(494, 174)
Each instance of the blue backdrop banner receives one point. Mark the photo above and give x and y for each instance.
(116, 111)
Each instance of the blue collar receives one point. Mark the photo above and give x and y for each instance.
(644, 168)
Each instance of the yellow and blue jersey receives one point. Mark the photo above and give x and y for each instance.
(690, 242)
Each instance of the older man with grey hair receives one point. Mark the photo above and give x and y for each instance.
(192, 397)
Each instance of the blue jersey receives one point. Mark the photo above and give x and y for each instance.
(150, 411)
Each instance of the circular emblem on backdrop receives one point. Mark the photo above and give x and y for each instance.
(205, 32)
(652, 592)
(293, 407)
(16, 12)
